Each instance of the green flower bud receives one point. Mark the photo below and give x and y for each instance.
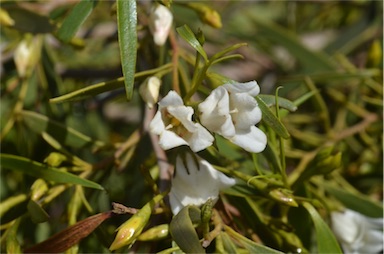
(206, 14)
(128, 232)
(131, 229)
(55, 159)
(283, 196)
(156, 233)
(38, 189)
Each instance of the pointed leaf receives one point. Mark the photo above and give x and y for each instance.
(183, 232)
(309, 59)
(40, 170)
(355, 201)
(190, 37)
(251, 246)
(65, 135)
(126, 27)
(271, 120)
(70, 236)
(270, 100)
(28, 21)
(75, 19)
(89, 91)
(326, 241)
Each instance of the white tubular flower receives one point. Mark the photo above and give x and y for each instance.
(149, 90)
(195, 182)
(160, 22)
(231, 111)
(358, 233)
(173, 122)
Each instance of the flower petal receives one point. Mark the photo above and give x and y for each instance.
(184, 115)
(251, 88)
(200, 139)
(253, 140)
(156, 126)
(215, 113)
(357, 233)
(169, 139)
(171, 99)
(246, 111)
(195, 182)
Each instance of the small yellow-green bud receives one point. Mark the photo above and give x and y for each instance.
(129, 231)
(156, 233)
(38, 189)
(206, 14)
(5, 19)
(55, 159)
(283, 196)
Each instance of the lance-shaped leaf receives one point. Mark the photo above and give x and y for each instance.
(63, 134)
(183, 232)
(75, 19)
(28, 21)
(355, 201)
(271, 120)
(40, 170)
(190, 37)
(89, 91)
(326, 241)
(126, 27)
(270, 100)
(70, 236)
(251, 246)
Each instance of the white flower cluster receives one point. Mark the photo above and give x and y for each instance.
(230, 111)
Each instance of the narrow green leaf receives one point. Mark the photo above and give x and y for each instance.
(40, 170)
(251, 246)
(190, 37)
(270, 100)
(326, 241)
(272, 158)
(126, 27)
(271, 120)
(324, 78)
(250, 21)
(75, 19)
(183, 232)
(28, 21)
(106, 86)
(89, 91)
(355, 201)
(63, 134)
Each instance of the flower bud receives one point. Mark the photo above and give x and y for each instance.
(22, 57)
(283, 196)
(54, 159)
(149, 90)
(5, 19)
(156, 233)
(206, 14)
(38, 189)
(160, 21)
(129, 231)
